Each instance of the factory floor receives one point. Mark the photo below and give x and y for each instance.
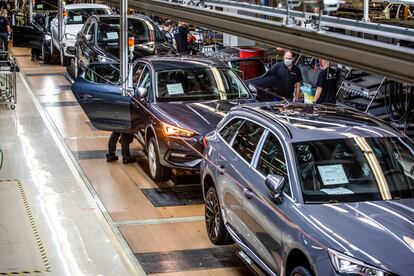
(66, 211)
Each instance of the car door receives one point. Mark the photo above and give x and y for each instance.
(266, 215)
(25, 34)
(233, 173)
(99, 94)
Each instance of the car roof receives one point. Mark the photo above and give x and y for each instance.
(85, 6)
(306, 122)
(183, 62)
(116, 16)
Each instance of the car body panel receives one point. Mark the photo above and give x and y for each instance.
(146, 116)
(71, 29)
(377, 233)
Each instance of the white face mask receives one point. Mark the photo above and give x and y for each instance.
(288, 62)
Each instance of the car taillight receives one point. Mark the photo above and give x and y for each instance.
(205, 142)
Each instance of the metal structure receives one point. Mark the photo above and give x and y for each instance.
(123, 58)
(30, 11)
(371, 56)
(60, 21)
(8, 69)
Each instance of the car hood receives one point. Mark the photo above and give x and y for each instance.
(73, 29)
(201, 117)
(370, 231)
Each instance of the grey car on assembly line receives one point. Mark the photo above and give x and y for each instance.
(311, 190)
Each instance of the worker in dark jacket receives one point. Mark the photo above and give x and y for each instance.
(5, 32)
(181, 38)
(326, 85)
(126, 139)
(288, 77)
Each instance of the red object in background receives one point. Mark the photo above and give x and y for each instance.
(251, 69)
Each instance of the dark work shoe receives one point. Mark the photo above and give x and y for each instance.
(111, 157)
(128, 160)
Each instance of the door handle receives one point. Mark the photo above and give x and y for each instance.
(85, 96)
(221, 169)
(248, 193)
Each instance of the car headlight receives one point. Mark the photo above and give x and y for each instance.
(48, 37)
(348, 265)
(170, 130)
(104, 59)
(70, 36)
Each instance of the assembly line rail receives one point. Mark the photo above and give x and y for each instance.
(387, 31)
(392, 61)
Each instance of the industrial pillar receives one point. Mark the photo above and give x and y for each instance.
(60, 20)
(30, 11)
(366, 11)
(123, 55)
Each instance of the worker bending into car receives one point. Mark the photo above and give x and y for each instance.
(126, 139)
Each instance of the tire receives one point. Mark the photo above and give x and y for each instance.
(216, 231)
(158, 172)
(301, 271)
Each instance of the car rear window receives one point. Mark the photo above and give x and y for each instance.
(228, 131)
(247, 139)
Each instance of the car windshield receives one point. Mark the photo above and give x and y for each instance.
(79, 16)
(143, 31)
(200, 83)
(355, 169)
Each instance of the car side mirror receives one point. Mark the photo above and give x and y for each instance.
(275, 184)
(88, 37)
(142, 92)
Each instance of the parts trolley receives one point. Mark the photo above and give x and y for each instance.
(8, 70)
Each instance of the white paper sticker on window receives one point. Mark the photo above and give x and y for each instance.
(112, 35)
(39, 7)
(337, 191)
(175, 89)
(77, 18)
(333, 174)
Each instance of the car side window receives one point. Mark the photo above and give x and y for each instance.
(228, 131)
(91, 32)
(86, 27)
(272, 160)
(246, 140)
(145, 80)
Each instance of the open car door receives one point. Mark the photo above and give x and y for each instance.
(99, 94)
(26, 34)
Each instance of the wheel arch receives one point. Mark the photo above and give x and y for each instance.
(297, 257)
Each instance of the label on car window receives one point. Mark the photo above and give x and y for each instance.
(175, 89)
(77, 18)
(39, 7)
(112, 35)
(337, 191)
(332, 175)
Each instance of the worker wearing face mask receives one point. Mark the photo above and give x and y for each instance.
(288, 77)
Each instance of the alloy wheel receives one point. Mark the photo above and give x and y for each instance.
(152, 161)
(212, 215)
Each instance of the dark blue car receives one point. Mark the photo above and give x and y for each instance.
(311, 190)
(174, 103)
